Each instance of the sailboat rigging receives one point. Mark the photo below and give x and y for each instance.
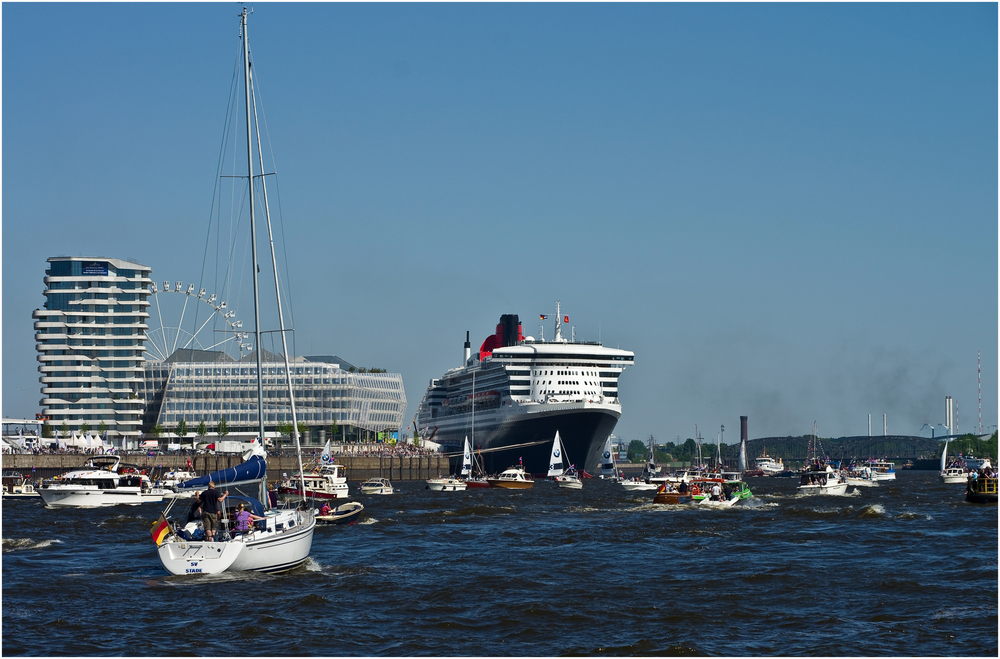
(281, 538)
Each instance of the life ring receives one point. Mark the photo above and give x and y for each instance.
(695, 490)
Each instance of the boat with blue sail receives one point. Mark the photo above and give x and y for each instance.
(263, 538)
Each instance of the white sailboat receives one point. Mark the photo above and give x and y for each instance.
(954, 474)
(563, 476)
(283, 538)
(608, 468)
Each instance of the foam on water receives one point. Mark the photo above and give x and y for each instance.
(21, 544)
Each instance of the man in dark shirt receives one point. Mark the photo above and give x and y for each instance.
(210, 500)
(195, 513)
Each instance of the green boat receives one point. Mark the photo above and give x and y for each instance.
(739, 489)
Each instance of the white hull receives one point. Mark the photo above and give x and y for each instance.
(635, 487)
(569, 483)
(377, 490)
(835, 489)
(446, 485)
(263, 551)
(724, 503)
(862, 482)
(74, 496)
(952, 476)
(187, 494)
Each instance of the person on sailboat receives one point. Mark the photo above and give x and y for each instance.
(195, 513)
(243, 519)
(210, 500)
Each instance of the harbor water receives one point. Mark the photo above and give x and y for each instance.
(907, 568)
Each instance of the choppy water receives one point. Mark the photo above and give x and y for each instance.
(905, 569)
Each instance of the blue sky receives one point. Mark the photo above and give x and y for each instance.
(787, 211)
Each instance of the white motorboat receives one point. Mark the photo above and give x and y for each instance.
(377, 486)
(636, 485)
(569, 480)
(16, 486)
(103, 481)
(954, 475)
(449, 484)
(278, 539)
(882, 470)
(170, 481)
(769, 465)
(822, 482)
(860, 478)
(325, 482)
(720, 503)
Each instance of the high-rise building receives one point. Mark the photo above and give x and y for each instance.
(90, 337)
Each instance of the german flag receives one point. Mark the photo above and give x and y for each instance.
(159, 530)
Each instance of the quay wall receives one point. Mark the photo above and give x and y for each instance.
(357, 468)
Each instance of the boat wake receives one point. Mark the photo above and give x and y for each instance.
(120, 521)
(21, 544)
(875, 510)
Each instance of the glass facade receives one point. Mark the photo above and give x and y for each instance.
(324, 394)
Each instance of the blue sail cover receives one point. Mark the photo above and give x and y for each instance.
(254, 469)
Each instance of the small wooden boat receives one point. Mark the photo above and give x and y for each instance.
(514, 478)
(345, 513)
(673, 497)
(981, 490)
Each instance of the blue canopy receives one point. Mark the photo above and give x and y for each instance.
(254, 469)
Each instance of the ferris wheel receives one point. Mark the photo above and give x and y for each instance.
(178, 324)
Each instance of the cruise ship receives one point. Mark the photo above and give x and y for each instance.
(511, 397)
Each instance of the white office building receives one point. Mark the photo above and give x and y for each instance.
(197, 386)
(90, 337)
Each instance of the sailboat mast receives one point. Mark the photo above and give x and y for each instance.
(473, 423)
(277, 290)
(253, 226)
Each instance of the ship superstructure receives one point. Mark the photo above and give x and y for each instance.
(512, 396)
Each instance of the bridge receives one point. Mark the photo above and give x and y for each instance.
(891, 447)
